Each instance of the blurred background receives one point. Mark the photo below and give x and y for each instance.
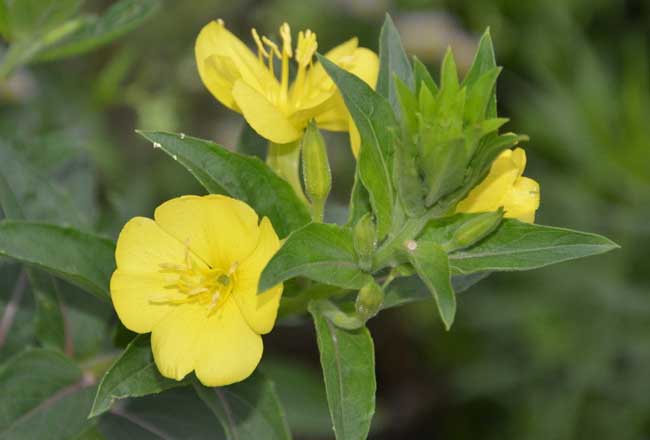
(558, 353)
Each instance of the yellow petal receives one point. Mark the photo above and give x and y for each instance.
(266, 119)
(175, 340)
(489, 194)
(143, 246)
(219, 229)
(522, 200)
(131, 294)
(222, 59)
(228, 350)
(261, 310)
(364, 64)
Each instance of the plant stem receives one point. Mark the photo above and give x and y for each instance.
(284, 160)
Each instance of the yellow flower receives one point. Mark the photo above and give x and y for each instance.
(190, 278)
(505, 186)
(277, 110)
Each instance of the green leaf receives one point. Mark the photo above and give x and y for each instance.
(523, 246)
(348, 362)
(320, 252)
(134, 374)
(45, 395)
(359, 201)
(122, 17)
(248, 410)
(29, 17)
(246, 178)
(422, 76)
(376, 123)
(484, 61)
(479, 94)
(176, 414)
(392, 62)
(81, 258)
(432, 266)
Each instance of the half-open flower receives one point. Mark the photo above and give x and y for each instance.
(505, 186)
(190, 278)
(279, 109)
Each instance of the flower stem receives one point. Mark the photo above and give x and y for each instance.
(284, 159)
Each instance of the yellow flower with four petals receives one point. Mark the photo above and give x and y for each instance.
(190, 278)
(278, 109)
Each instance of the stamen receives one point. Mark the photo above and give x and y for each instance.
(306, 48)
(287, 52)
(261, 51)
(285, 34)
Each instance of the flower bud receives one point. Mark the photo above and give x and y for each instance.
(315, 169)
(474, 229)
(369, 300)
(365, 241)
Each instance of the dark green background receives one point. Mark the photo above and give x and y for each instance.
(559, 353)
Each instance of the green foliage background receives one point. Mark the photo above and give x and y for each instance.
(558, 353)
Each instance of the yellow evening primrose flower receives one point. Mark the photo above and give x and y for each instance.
(189, 276)
(505, 186)
(277, 110)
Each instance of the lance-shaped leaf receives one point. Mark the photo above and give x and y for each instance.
(243, 177)
(432, 266)
(484, 61)
(392, 62)
(522, 246)
(81, 258)
(248, 410)
(122, 17)
(44, 395)
(374, 118)
(320, 252)
(348, 361)
(133, 374)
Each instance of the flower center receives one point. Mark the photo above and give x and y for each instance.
(197, 284)
(267, 50)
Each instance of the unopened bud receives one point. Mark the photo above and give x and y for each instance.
(316, 169)
(474, 229)
(369, 300)
(365, 241)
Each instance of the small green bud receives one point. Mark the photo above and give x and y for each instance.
(315, 169)
(365, 241)
(474, 229)
(369, 300)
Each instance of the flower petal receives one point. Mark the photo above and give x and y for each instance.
(522, 200)
(219, 229)
(228, 349)
(143, 246)
(261, 310)
(265, 118)
(489, 194)
(222, 59)
(131, 294)
(175, 340)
